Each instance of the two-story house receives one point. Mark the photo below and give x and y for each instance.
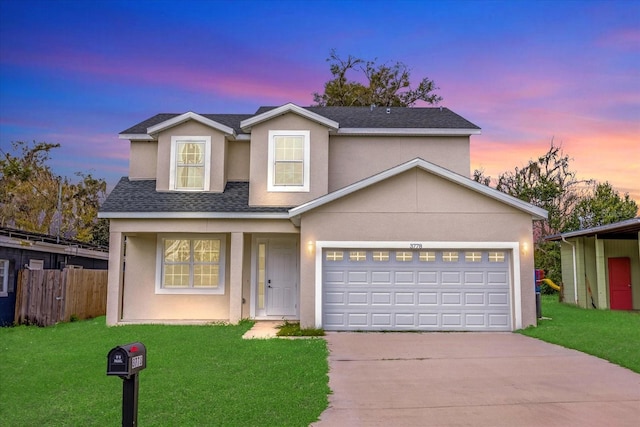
(345, 218)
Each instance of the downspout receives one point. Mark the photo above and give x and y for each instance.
(575, 269)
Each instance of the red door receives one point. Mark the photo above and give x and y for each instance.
(620, 284)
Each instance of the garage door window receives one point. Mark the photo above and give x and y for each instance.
(473, 256)
(450, 256)
(334, 255)
(357, 256)
(496, 256)
(427, 256)
(381, 255)
(404, 256)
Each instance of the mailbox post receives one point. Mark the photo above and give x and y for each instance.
(126, 361)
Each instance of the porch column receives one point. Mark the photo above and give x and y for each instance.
(235, 277)
(601, 276)
(116, 276)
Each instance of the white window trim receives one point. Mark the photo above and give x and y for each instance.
(220, 290)
(306, 161)
(207, 160)
(4, 285)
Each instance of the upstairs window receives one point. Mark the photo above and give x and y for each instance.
(288, 161)
(190, 160)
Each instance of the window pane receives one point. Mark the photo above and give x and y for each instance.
(190, 177)
(206, 250)
(205, 275)
(381, 255)
(427, 256)
(191, 153)
(496, 256)
(473, 256)
(288, 173)
(176, 250)
(289, 148)
(357, 256)
(450, 256)
(404, 256)
(334, 255)
(176, 276)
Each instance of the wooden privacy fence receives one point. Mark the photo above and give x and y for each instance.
(46, 297)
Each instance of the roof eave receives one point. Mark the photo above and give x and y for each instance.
(193, 215)
(136, 136)
(409, 131)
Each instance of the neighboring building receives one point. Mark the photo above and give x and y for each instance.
(21, 249)
(601, 265)
(345, 218)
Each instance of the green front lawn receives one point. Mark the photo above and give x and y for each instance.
(608, 334)
(195, 376)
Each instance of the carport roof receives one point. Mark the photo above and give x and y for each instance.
(627, 229)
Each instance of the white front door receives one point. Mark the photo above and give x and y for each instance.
(280, 277)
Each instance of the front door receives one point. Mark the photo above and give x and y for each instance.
(620, 284)
(281, 291)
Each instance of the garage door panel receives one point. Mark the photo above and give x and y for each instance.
(381, 277)
(427, 298)
(474, 278)
(335, 277)
(451, 298)
(404, 298)
(358, 298)
(424, 293)
(428, 278)
(404, 277)
(358, 278)
(332, 298)
(451, 278)
(474, 298)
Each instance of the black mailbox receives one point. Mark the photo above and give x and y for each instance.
(126, 360)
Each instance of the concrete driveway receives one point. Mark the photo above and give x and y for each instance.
(473, 379)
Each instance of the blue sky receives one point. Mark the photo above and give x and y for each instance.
(527, 72)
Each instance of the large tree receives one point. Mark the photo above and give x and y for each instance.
(387, 85)
(603, 205)
(550, 183)
(33, 198)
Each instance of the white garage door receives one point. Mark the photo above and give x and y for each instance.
(438, 290)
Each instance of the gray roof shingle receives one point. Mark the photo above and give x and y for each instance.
(141, 196)
(347, 117)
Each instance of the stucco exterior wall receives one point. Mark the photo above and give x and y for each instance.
(141, 303)
(352, 158)
(319, 157)
(418, 207)
(191, 128)
(238, 153)
(143, 159)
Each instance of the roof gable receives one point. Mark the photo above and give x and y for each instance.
(174, 121)
(534, 211)
(284, 109)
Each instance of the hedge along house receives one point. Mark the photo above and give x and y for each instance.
(345, 218)
(601, 266)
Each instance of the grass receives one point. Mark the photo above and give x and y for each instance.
(195, 376)
(292, 329)
(608, 334)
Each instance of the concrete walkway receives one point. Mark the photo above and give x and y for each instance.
(473, 379)
(263, 329)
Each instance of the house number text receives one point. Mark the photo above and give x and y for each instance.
(415, 245)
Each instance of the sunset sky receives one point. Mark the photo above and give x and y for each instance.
(527, 72)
